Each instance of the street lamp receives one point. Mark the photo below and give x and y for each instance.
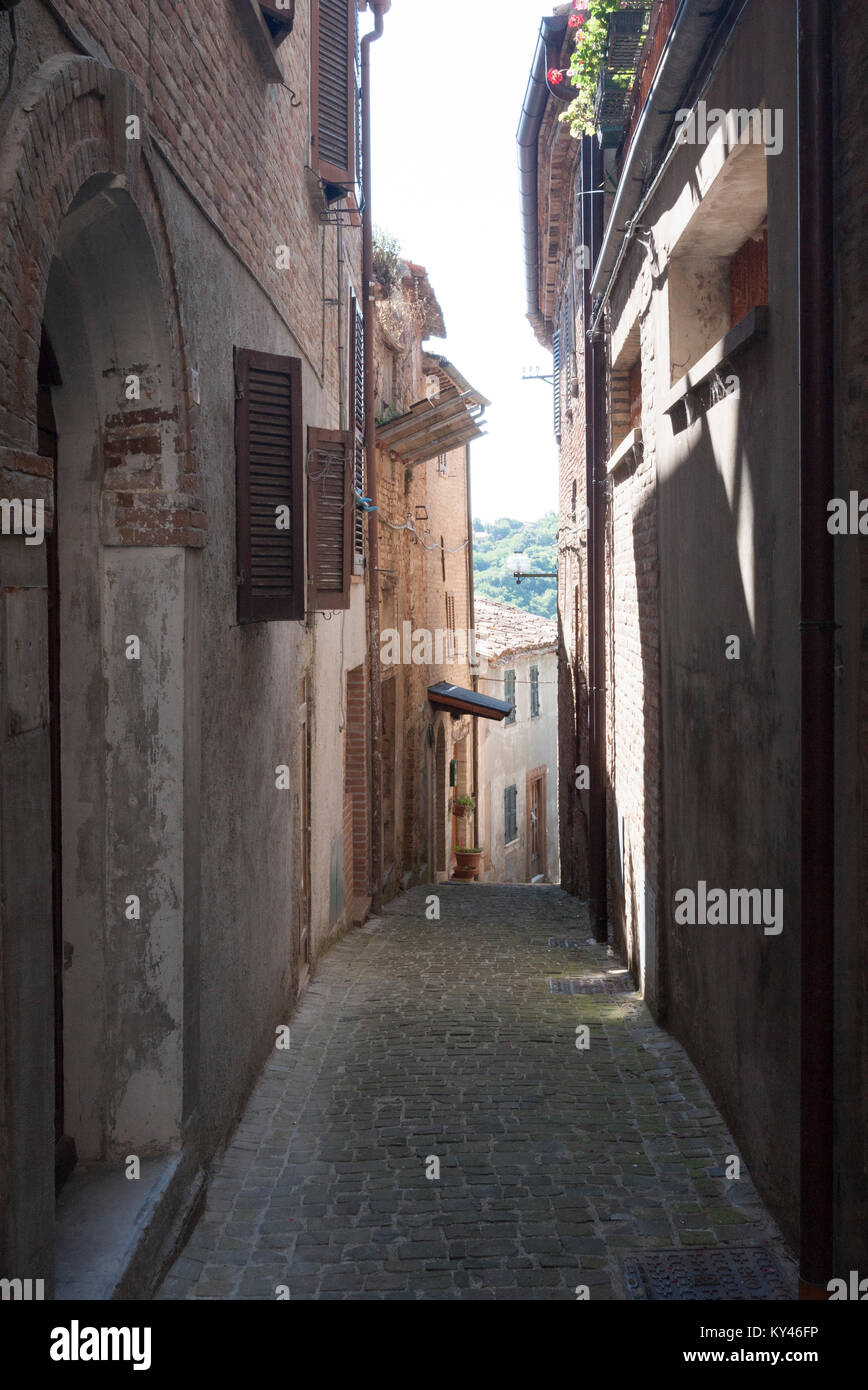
(520, 566)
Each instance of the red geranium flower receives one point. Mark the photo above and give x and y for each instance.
(555, 76)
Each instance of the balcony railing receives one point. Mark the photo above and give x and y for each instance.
(659, 26)
(628, 28)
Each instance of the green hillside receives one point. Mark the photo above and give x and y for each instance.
(494, 541)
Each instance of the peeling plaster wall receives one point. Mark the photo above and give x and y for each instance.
(251, 693)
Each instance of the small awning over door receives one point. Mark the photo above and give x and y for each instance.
(461, 701)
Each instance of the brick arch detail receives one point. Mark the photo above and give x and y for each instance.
(70, 126)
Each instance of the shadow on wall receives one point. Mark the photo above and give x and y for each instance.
(725, 715)
(572, 752)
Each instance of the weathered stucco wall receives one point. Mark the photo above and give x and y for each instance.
(143, 255)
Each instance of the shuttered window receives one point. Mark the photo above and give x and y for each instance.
(534, 692)
(334, 98)
(269, 445)
(556, 376)
(330, 513)
(357, 397)
(567, 348)
(509, 695)
(510, 814)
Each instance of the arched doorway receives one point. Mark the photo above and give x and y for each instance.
(119, 682)
(99, 742)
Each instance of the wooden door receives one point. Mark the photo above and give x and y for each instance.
(48, 376)
(301, 963)
(536, 823)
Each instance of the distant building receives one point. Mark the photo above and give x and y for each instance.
(517, 805)
(427, 415)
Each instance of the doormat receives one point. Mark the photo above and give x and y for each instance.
(751, 1272)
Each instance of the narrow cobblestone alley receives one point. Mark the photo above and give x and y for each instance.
(422, 1038)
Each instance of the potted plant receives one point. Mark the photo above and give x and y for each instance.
(609, 37)
(469, 856)
(463, 806)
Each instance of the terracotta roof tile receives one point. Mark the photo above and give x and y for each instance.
(503, 630)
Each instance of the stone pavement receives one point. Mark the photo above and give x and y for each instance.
(421, 1039)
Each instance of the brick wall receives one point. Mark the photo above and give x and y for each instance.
(239, 145)
(632, 634)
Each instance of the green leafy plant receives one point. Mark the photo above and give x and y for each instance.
(468, 806)
(589, 60)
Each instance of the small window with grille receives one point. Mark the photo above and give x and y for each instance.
(510, 814)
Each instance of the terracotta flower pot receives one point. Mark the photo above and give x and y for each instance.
(469, 864)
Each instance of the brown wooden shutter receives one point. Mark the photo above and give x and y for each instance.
(556, 377)
(333, 91)
(269, 445)
(357, 396)
(330, 517)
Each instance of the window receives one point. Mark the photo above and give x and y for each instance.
(566, 346)
(278, 16)
(634, 391)
(441, 464)
(450, 626)
(357, 396)
(573, 501)
(510, 814)
(534, 692)
(749, 276)
(509, 695)
(720, 258)
(269, 453)
(330, 517)
(556, 379)
(266, 26)
(334, 95)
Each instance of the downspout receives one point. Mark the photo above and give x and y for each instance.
(375, 699)
(549, 42)
(817, 477)
(595, 444)
(471, 617)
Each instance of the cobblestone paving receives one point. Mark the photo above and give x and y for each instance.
(421, 1038)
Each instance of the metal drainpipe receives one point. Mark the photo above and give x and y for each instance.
(595, 425)
(817, 476)
(375, 700)
(471, 638)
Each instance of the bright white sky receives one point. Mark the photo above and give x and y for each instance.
(448, 79)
